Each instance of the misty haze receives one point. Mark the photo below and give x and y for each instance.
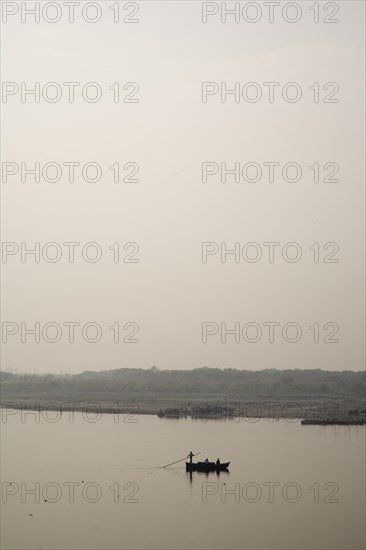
(183, 267)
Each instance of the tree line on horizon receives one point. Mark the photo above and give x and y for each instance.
(295, 382)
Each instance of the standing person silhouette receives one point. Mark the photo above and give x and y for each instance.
(190, 456)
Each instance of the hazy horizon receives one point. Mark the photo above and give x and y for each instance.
(65, 373)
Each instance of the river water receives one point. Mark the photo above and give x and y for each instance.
(77, 484)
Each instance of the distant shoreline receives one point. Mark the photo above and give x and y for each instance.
(346, 410)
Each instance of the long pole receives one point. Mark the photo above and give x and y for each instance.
(176, 462)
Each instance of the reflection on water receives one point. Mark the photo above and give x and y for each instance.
(102, 485)
(207, 474)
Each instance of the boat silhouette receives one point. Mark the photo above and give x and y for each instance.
(206, 466)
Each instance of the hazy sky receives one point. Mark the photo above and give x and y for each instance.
(170, 211)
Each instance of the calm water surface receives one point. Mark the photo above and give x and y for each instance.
(101, 486)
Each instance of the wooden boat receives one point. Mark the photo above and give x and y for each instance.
(206, 466)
